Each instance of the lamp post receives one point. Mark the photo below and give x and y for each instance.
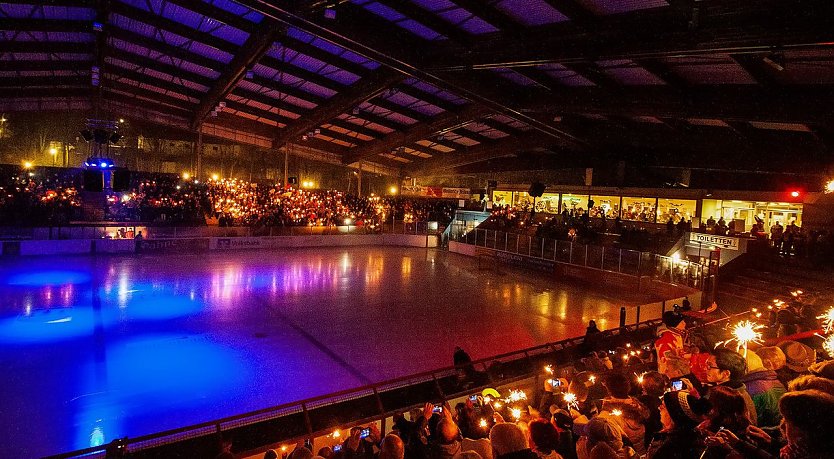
(54, 152)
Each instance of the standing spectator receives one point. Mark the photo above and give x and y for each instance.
(726, 368)
(509, 442)
(544, 438)
(765, 389)
(669, 345)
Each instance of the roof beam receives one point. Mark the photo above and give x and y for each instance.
(506, 147)
(391, 53)
(722, 27)
(9, 46)
(663, 71)
(364, 89)
(420, 131)
(255, 46)
(763, 68)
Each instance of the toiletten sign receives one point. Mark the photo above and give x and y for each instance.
(718, 241)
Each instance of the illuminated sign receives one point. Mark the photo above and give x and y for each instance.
(710, 239)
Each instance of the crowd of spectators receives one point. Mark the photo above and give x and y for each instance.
(55, 197)
(683, 395)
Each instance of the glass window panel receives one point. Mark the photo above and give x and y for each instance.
(639, 209)
(548, 203)
(676, 209)
(575, 204)
(502, 198)
(523, 200)
(605, 205)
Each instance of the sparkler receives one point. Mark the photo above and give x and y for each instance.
(743, 333)
(640, 377)
(336, 434)
(548, 369)
(515, 396)
(828, 345)
(570, 399)
(483, 423)
(516, 413)
(827, 320)
(593, 379)
(616, 412)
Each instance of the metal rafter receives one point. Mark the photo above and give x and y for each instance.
(364, 89)
(255, 46)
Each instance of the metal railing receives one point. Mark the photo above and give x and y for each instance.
(318, 415)
(612, 259)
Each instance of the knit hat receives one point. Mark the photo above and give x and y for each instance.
(824, 369)
(602, 429)
(754, 362)
(799, 356)
(684, 409)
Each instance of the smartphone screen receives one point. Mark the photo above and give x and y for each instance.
(337, 448)
(364, 433)
(677, 385)
(437, 409)
(473, 398)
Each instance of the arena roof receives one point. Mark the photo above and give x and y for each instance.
(430, 85)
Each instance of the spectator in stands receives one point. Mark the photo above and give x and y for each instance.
(392, 447)
(765, 390)
(798, 357)
(669, 345)
(824, 369)
(680, 413)
(626, 411)
(447, 444)
(603, 429)
(654, 385)
(509, 442)
(807, 382)
(225, 447)
(270, 454)
(726, 368)
(774, 359)
(808, 416)
(544, 439)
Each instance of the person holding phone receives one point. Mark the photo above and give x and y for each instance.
(680, 414)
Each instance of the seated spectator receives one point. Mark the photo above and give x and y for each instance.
(726, 368)
(824, 369)
(392, 447)
(603, 429)
(798, 357)
(680, 413)
(544, 439)
(654, 386)
(765, 390)
(632, 414)
(509, 442)
(808, 416)
(808, 382)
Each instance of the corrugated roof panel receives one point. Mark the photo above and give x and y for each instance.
(435, 5)
(620, 6)
(420, 30)
(384, 11)
(209, 52)
(530, 12)
(780, 126)
(157, 56)
(628, 73)
(200, 22)
(275, 94)
(417, 153)
(515, 77)
(707, 122)
(466, 141)
(485, 130)
(565, 76)
(353, 119)
(45, 57)
(68, 12)
(467, 21)
(408, 101)
(40, 11)
(347, 132)
(387, 114)
(331, 48)
(395, 157)
(646, 119)
(44, 73)
(238, 9)
(434, 90)
(715, 69)
(809, 67)
(79, 37)
(149, 87)
(518, 125)
(434, 146)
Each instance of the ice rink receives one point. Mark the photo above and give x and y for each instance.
(93, 349)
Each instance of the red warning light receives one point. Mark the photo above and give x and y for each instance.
(794, 194)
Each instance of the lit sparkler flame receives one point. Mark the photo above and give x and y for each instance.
(640, 378)
(548, 369)
(336, 434)
(571, 400)
(483, 423)
(827, 320)
(515, 396)
(616, 412)
(744, 333)
(593, 379)
(828, 345)
(516, 413)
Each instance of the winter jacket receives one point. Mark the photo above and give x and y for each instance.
(765, 390)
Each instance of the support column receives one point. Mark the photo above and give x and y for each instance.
(198, 172)
(359, 187)
(286, 166)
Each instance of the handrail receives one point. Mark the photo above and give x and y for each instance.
(524, 353)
